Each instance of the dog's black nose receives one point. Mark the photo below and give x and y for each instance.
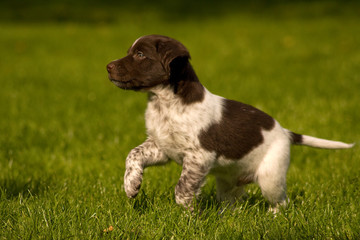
(110, 66)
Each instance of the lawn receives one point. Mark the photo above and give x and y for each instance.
(65, 129)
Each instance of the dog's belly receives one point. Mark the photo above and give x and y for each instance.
(241, 171)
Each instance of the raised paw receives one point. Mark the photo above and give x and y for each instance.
(132, 183)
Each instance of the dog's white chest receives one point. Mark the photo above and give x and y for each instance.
(175, 127)
(172, 131)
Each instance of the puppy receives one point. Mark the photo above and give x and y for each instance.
(203, 132)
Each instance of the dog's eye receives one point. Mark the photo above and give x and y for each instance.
(140, 54)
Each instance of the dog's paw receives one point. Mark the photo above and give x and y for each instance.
(132, 192)
(132, 184)
(279, 206)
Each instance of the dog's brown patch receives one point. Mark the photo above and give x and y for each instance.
(238, 132)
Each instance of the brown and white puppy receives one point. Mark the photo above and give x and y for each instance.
(205, 133)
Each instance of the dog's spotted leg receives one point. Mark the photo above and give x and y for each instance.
(191, 180)
(140, 157)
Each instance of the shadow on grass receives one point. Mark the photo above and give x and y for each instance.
(12, 188)
(145, 203)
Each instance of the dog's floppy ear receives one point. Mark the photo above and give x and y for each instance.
(169, 50)
(175, 59)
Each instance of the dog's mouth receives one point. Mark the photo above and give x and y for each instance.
(121, 84)
(125, 84)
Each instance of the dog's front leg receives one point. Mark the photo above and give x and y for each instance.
(139, 158)
(191, 180)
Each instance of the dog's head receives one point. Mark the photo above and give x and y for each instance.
(150, 61)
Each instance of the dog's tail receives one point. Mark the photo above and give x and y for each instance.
(317, 142)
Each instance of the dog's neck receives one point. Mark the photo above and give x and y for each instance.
(183, 84)
(162, 93)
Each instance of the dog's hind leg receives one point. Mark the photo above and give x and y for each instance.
(140, 157)
(271, 174)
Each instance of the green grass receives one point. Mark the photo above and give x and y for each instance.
(65, 130)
